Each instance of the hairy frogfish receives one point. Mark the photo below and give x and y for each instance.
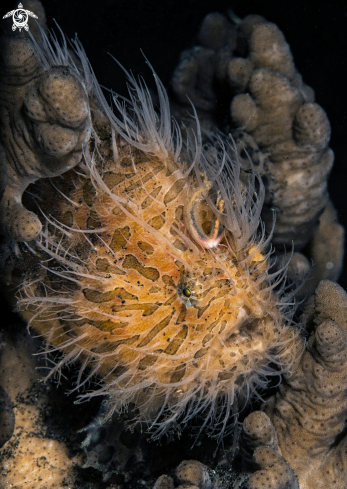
(152, 270)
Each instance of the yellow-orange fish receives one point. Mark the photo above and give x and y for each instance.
(152, 269)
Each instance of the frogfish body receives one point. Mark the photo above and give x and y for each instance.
(152, 269)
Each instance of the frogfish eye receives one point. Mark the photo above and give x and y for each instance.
(192, 219)
(187, 292)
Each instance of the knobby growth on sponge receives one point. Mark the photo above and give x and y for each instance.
(152, 267)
